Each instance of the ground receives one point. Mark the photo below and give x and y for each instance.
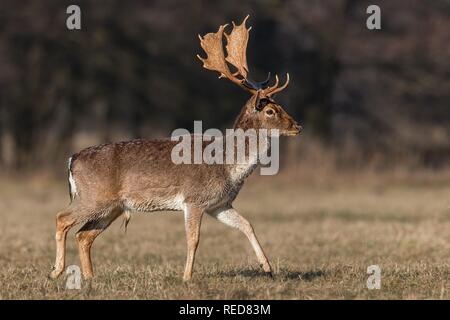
(319, 233)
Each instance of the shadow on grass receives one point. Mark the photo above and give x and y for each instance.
(283, 274)
(301, 275)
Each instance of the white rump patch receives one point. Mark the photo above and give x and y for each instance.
(73, 186)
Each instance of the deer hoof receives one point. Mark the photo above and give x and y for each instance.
(54, 274)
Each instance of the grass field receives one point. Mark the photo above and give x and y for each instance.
(320, 233)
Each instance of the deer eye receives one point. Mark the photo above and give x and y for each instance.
(270, 112)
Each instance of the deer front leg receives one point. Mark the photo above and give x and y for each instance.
(192, 220)
(232, 218)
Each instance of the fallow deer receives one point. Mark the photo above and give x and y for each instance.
(114, 179)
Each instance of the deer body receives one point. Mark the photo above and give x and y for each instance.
(141, 177)
(115, 179)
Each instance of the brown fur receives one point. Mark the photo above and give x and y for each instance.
(139, 175)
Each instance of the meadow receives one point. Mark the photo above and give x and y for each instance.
(320, 231)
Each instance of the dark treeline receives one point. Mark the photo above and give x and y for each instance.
(131, 72)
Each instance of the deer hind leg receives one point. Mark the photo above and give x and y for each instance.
(87, 234)
(230, 217)
(64, 221)
(192, 220)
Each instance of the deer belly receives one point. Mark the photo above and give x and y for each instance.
(154, 203)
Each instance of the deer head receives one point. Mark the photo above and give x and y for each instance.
(261, 111)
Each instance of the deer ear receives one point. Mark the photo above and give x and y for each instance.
(254, 101)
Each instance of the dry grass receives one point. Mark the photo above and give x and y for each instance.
(320, 233)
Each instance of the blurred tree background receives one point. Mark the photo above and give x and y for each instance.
(131, 71)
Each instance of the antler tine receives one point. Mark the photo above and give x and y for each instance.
(265, 82)
(275, 89)
(269, 89)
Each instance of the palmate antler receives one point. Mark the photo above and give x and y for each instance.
(236, 49)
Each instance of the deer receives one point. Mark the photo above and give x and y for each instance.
(116, 179)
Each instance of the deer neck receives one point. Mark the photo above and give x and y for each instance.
(240, 170)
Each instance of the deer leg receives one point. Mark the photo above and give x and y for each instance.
(86, 236)
(232, 218)
(192, 221)
(64, 221)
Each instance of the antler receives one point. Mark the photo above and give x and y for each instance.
(212, 45)
(236, 49)
(270, 91)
